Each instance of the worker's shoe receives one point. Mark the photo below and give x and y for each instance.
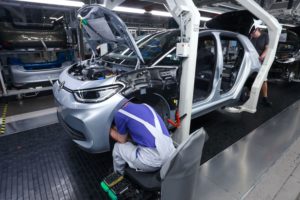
(265, 102)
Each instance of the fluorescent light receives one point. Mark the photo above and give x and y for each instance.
(153, 12)
(288, 25)
(262, 26)
(56, 19)
(205, 19)
(210, 11)
(56, 2)
(230, 6)
(160, 13)
(167, 14)
(129, 10)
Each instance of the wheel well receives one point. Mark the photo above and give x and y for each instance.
(247, 88)
(158, 102)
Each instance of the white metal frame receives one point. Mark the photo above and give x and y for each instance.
(274, 29)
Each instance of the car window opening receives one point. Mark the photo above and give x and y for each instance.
(233, 54)
(205, 67)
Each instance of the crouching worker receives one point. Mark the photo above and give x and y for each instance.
(151, 143)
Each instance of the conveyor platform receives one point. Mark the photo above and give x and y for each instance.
(233, 173)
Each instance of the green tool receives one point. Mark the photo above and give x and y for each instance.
(112, 195)
(104, 186)
(84, 21)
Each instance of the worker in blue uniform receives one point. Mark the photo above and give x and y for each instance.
(150, 143)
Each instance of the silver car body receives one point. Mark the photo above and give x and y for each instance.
(21, 76)
(86, 107)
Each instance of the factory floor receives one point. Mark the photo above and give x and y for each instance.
(39, 161)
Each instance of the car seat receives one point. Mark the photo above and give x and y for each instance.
(177, 177)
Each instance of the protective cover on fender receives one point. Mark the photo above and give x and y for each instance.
(180, 174)
(103, 25)
(236, 21)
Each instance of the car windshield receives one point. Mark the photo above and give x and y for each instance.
(151, 49)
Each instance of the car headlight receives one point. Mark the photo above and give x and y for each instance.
(95, 95)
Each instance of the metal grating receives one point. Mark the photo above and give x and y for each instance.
(44, 164)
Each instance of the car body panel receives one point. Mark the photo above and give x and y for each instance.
(29, 72)
(89, 119)
(21, 77)
(216, 100)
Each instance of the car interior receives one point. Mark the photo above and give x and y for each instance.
(233, 54)
(205, 67)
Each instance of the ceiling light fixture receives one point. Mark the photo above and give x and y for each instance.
(56, 2)
(129, 10)
(167, 14)
(210, 11)
(289, 25)
(153, 12)
(56, 19)
(205, 19)
(160, 13)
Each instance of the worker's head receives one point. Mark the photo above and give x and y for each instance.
(255, 30)
(255, 33)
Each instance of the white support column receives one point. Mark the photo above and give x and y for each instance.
(190, 25)
(274, 29)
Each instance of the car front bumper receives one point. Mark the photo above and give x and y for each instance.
(87, 123)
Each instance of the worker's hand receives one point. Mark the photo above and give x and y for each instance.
(113, 132)
(117, 136)
(261, 58)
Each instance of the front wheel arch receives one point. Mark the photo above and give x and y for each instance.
(157, 102)
(245, 94)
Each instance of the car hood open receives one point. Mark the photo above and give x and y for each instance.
(103, 25)
(236, 21)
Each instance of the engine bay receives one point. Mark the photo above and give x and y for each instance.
(96, 70)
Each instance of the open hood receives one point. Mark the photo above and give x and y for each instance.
(237, 21)
(104, 26)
